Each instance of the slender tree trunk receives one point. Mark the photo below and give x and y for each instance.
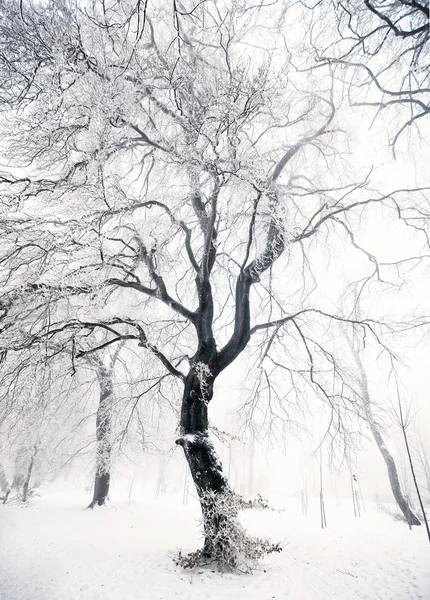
(26, 485)
(204, 463)
(20, 463)
(386, 455)
(411, 464)
(103, 434)
(394, 479)
(4, 484)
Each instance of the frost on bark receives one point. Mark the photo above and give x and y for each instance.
(203, 461)
(103, 436)
(226, 543)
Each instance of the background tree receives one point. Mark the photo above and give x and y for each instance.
(4, 484)
(42, 415)
(104, 369)
(376, 430)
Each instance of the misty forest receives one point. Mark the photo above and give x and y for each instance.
(215, 299)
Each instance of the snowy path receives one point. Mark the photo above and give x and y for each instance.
(55, 551)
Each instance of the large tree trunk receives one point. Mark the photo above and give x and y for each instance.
(103, 434)
(204, 463)
(386, 455)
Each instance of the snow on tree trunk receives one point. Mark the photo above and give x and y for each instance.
(386, 455)
(226, 542)
(394, 479)
(104, 442)
(203, 461)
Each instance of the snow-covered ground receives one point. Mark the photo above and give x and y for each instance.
(56, 550)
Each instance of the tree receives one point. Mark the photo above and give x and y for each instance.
(375, 429)
(165, 181)
(103, 367)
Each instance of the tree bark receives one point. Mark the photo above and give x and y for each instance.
(103, 434)
(394, 478)
(377, 436)
(204, 463)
